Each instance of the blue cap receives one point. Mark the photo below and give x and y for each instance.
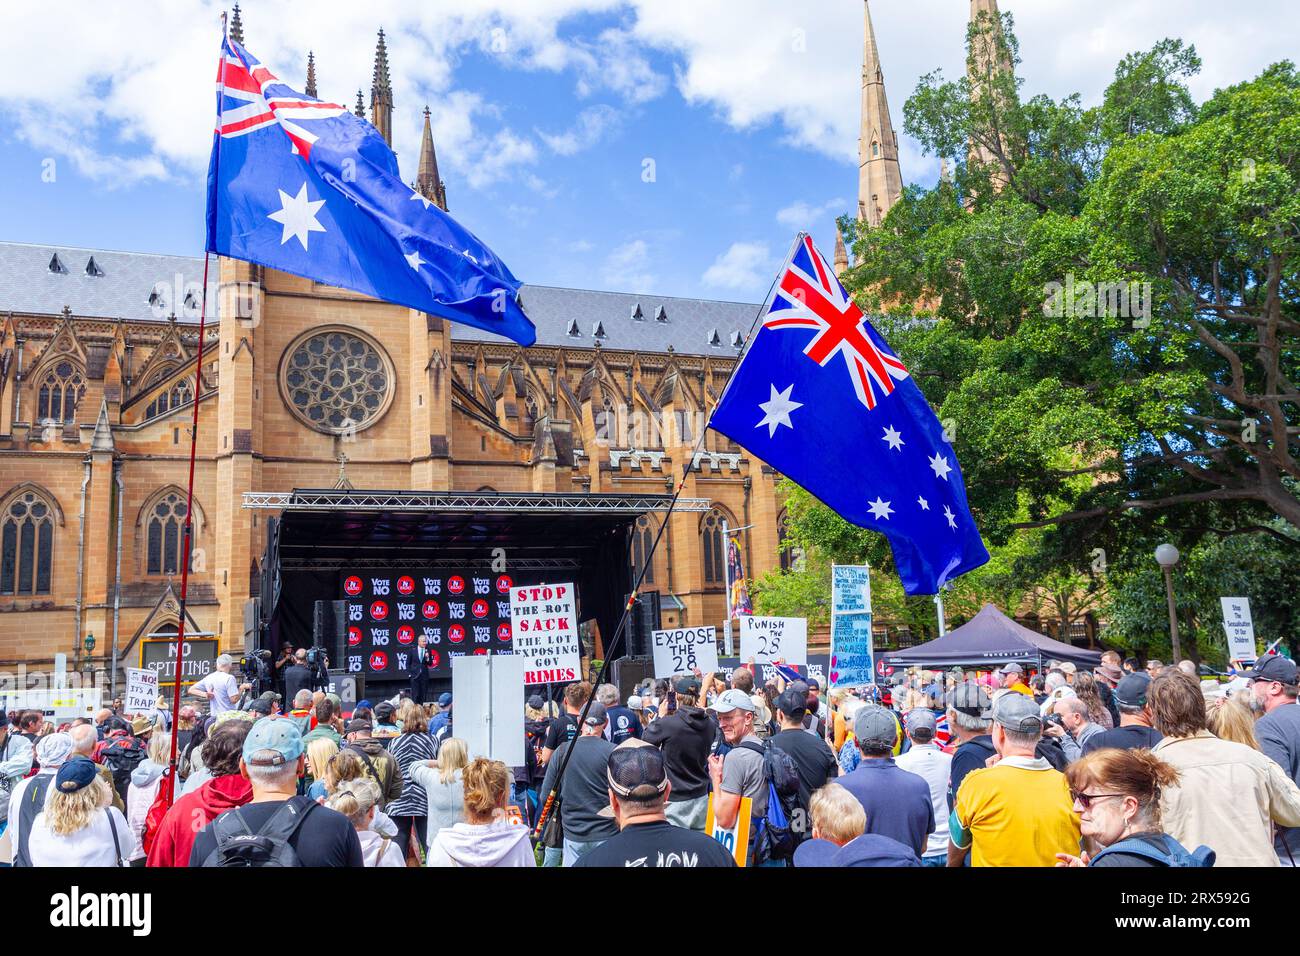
(280, 734)
(444, 700)
(76, 774)
(361, 703)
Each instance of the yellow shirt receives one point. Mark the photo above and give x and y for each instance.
(1016, 813)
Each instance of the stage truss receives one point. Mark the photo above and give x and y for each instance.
(417, 501)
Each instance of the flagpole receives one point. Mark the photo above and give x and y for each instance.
(548, 800)
(186, 550)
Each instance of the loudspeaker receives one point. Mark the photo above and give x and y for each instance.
(628, 672)
(329, 625)
(644, 619)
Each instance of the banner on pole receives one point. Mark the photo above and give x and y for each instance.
(141, 690)
(683, 649)
(544, 620)
(1239, 628)
(767, 639)
(852, 657)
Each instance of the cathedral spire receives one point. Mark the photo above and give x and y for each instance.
(427, 182)
(360, 108)
(880, 180)
(237, 27)
(841, 254)
(310, 88)
(381, 93)
(988, 57)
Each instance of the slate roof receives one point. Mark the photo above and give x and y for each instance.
(122, 287)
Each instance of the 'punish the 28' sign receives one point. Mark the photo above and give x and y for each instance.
(545, 623)
(458, 613)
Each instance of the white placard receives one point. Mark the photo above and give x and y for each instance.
(488, 689)
(1239, 628)
(141, 690)
(544, 628)
(767, 639)
(683, 649)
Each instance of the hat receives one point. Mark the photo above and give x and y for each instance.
(536, 701)
(637, 772)
(1273, 667)
(921, 718)
(596, 714)
(261, 706)
(366, 704)
(357, 726)
(385, 711)
(336, 700)
(1110, 672)
(141, 726)
(792, 703)
(1068, 668)
(53, 750)
(1018, 714)
(75, 774)
(687, 685)
(273, 733)
(733, 700)
(873, 724)
(270, 695)
(634, 703)
(1012, 668)
(969, 698)
(444, 700)
(812, 684)
(1132, 690)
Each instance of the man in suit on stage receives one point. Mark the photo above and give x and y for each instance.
(420, 669)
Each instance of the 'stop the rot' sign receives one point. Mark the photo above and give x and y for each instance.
(544, 620)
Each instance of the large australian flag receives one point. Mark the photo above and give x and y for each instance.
(820, 397)
(307, 187)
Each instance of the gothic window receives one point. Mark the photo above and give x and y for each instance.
(177, 396)
(713, 547)
(165, 534)
(607, 421)
(336, 381)
(875, 149)
(791, 556)
(60, 389)
(643, 537)
(26, 545)
(530, 413)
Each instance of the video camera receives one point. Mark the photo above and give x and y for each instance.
(255, 669)
(318, 663)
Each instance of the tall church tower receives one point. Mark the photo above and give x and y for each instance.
(427, 182)
(880, 181)
(988, 57)
(381, 94)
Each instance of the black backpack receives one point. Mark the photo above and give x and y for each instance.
(238, 846)
(774, 837)
(121, 757)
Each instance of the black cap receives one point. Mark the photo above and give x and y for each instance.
(260, 706)
(1273, 667)
(637, 772)
(385, 711)
(688, 685)
(536, 702)
(792, 703)
(358, 726)
(1132, 690)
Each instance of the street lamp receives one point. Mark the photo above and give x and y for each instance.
(1167, 556)
(89, 642)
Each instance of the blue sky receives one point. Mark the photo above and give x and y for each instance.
(546, 113)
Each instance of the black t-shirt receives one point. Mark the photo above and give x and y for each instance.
(324, 838)
(1124, 738)
(564, 727)
(658, 844)
(812, 757)
(296, 677)
(1132, 859)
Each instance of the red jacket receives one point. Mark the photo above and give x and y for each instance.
(191, 813)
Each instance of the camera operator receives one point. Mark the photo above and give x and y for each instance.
(1074, 729)
(297, 676)
(281, 664)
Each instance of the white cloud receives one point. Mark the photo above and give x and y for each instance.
(802, 215)
(627, 267)
(591, 126)
(745, 266)
(580, 245)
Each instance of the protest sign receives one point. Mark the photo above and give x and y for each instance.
(683, 649)
(1239, 628)
(736, 838)
(764, 639)
(141, 690)
(852, 660)
(488, 687)
(544, 623)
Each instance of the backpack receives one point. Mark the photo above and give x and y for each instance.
(157, 810)
(238, 846)
(773, 837)
(1173, 855)
(121, 757)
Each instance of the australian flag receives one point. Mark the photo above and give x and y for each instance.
(306, 187)
(821, 398)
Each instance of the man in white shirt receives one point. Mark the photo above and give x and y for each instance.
(927, 761)
(219, 688)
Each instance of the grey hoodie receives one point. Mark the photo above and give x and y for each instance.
(146, 772)
(482, 844)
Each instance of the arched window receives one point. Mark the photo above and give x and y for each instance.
(61, 388)
(26, 545)
(530, 413)
(713, 548)
(643, 536)
(791, 555)
(177, 396)
(165, 534)
(607, 421)
(875, 149)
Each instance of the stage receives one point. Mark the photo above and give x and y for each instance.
(403, 560)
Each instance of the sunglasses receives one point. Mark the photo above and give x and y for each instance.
(1085, 800)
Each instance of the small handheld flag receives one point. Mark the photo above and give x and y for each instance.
(306, 187)
(820, 397)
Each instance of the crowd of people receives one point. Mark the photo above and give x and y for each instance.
(1120, 765)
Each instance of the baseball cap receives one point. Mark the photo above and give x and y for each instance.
(357, 726)
(634, 703)
(1012, 668)
(969, 698)
(873, 724)
(1018, 713)
(1273, 667)
(261, 707)
(637, 772)
(921, 718)
(536, 701)
(444, 700)
(1068, 668)
(812, 684)
(687, 685)
(269, 695)
(733, 700)
(385, 711)
(596, 714)
(75, 774)
(1132, 690)
(273, 733)
(792, 703)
